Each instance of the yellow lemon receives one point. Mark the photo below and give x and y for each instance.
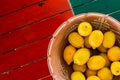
(81, 56)
(105, 74)
(87, 42)
(76, 40)
(81, 68)
(102, 49)
(90, 72)
(84, 28)
(115, 68)
(68, 54)
(114, 53)
(77, 76)
(104, 55)
(93, 78)
(96, 39)
(96, 62)
(109, 39)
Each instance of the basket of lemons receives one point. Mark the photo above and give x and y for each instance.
(86, 47)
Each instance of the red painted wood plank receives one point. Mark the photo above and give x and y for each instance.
(32, 33)
(31, 72)
(48, 78)
(24, 55)
(10, 6)
(31, 14)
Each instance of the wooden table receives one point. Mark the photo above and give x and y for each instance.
(26, 26)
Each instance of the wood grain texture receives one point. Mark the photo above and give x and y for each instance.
(34, 32)
(32, 14)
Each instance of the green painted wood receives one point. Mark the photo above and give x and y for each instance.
(116, 15)
(101, 6)
(76, 3)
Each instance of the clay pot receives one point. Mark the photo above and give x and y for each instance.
(57, 66)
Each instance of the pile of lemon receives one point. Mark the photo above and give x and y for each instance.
(86, 65)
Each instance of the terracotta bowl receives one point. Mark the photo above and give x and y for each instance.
(57, 66)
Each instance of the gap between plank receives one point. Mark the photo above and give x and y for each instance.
(22, 8)
(24, 65)
(89, 2)
(49, 36)
(44, 77)
(27, 25)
